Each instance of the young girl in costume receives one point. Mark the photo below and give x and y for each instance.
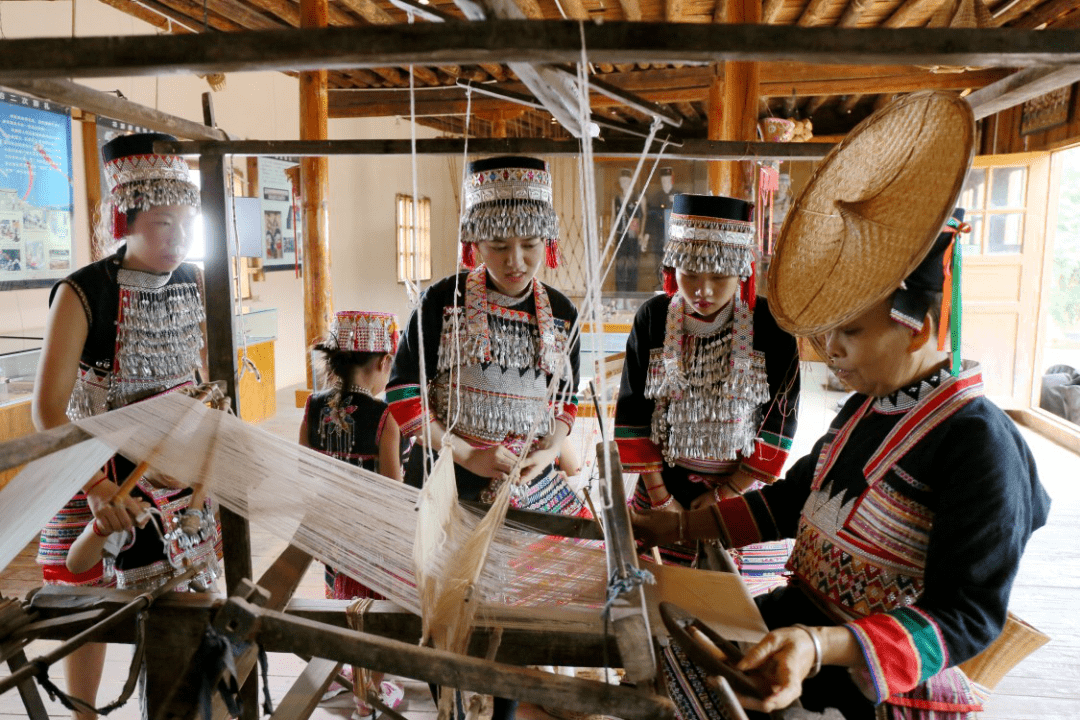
(911, 513)
(119, 330)
(350, 423)
(493, 340)
(494, 337)
(707, 404)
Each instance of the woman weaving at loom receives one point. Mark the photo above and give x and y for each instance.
(493, 340)
(911, 514)
(710, 387)
(120, 330)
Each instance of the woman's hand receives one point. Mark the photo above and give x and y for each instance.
(539, 458)
(784, 658)
(111, 518)
(493, 462)
(657, 527)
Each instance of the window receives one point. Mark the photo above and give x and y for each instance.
(994, 198)
(413, 238)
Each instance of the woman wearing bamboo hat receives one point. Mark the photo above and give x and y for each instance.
(911, 514)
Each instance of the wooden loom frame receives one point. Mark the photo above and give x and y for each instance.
(178, 621)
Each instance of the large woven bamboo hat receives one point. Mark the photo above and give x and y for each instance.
(870, 212)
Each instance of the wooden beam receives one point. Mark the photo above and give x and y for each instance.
(307, 638)
(1021, 87)
(245, 16)
(102, 103)
(1045, 13)
(542, 41)
(193, 12)
(304, 694)
(575, 9)
(690, 149)
(674, 11)
(911, 13)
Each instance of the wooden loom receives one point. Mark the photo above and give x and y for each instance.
(176, 621)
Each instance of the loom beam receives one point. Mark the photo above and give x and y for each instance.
(308, 638)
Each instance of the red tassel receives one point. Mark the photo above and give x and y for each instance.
(671, 284)
(551, 252)
(468, 255)
(748, 288)
(119, 224)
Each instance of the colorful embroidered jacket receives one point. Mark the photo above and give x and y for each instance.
(348, 428)
(501, 354)
(909, 519)
(738, 400)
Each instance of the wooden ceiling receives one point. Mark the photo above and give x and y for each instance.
(834, 97)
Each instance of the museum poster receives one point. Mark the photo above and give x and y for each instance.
(36, 195)
(280, 215)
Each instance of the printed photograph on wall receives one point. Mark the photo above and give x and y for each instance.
(35, 186)
(281, 218)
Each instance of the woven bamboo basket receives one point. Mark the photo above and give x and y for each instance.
(1017, 640)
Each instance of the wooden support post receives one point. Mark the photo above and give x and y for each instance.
(629, 615)
(303, 697)
(739, 107)
(35, 708)
(318, 304)
(221, 353)
(715, 110)
(92, 173)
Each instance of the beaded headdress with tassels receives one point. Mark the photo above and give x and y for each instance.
(939, 272)
(506, 197)
(365, 331)
(140, 179)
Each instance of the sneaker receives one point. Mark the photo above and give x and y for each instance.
(391, 693)
(336, 689)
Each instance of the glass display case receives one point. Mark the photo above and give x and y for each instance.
(18, 367)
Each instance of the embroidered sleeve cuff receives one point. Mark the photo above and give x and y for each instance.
(567, 413)
(407, 408)
(770, 454)
(902, 648)
(637, 452)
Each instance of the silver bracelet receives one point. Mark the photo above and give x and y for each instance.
(666, 503)
(817, 649)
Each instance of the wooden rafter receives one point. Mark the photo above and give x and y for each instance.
(1045, 13)
(811, 15)
(770, 9)
(688, 85)
(1011, 11)
(911, 13)
(853, 12)
(369, 10)
(631, 9)
(674, 10)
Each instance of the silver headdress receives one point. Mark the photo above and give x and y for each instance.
(710, 234)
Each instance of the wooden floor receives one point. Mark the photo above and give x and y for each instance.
(1046, 686)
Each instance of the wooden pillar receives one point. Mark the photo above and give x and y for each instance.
(314, 188)
(91, 163)
(737, 111)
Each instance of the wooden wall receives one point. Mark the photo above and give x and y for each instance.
(1001, 133)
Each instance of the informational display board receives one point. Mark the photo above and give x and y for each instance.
(280, 215)
(36, 194)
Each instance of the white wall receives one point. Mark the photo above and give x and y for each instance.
(264, 106)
